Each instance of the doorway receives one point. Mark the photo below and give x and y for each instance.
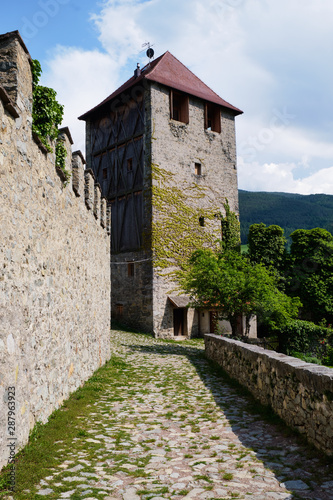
(178, 322)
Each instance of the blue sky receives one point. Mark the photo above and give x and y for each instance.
(270, 58)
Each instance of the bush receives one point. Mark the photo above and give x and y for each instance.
(304, 337)
(328, 358)
(306, 358)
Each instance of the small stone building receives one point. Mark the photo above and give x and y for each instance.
(162, 147)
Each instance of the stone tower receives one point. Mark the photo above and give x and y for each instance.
(162, 147)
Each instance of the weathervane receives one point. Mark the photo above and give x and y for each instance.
(150, 51)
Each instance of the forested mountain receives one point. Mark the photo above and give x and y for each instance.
(290, 211)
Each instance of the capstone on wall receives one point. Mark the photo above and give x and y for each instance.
(54, 263)
(300, 393)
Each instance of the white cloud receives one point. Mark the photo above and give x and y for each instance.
(280, 178)
(264, 57)
(82, 79)
(278, 140)
(120, 27)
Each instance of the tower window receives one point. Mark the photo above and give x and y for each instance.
(129, 164)
(197, 168)
(179, 107)
(212, 117)
(105, 173)
(130, 269)
(119, 310)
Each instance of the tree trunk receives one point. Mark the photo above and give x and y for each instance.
(233, 323)
(247, 324)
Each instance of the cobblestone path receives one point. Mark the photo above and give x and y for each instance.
(176, 429)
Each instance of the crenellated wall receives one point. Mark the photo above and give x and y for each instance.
(300, 393)
(54, 262)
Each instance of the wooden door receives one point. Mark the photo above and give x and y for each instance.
(178, 321)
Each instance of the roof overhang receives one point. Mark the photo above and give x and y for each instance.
(168, 71)
(179, 301)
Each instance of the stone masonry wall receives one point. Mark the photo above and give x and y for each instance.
(54, 263)
(176, 147)
(300, 393)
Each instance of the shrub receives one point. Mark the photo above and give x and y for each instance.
(328, 358)
(304, 337)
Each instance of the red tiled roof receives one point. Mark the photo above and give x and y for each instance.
(168, 71)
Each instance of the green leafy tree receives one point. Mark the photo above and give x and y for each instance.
(267, 245)
(230, 284)
(311, 272)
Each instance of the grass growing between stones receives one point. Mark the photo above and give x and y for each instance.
(139, 421)
(48, 443)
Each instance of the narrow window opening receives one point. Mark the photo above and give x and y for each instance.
(212, 117)
(130, 269)
(129, 164)
(201, 221)
(119, 310)
(197, 168)
(179, 107)
(105, 173)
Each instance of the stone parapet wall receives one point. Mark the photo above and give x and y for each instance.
(54, 265)
(300, 393)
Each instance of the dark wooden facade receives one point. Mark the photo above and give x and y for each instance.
(117, 160)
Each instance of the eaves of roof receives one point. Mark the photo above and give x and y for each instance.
(169, 71)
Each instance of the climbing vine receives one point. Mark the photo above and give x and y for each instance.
(230, 229)
(179, 226)
(60, 163)
(47, 115)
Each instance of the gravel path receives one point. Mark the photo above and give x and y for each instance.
(178, 430)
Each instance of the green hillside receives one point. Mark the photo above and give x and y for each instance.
(290, 211)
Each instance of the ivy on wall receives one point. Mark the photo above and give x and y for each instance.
(230, 230)
(61, 154)
(47, 115)
(179, 225)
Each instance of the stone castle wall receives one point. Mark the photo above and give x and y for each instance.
(300, 393)
(54, 262)
(176, 147)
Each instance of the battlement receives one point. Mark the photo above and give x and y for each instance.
(16, 98)
(54, 259)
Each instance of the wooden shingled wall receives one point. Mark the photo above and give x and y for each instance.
(117, 161)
